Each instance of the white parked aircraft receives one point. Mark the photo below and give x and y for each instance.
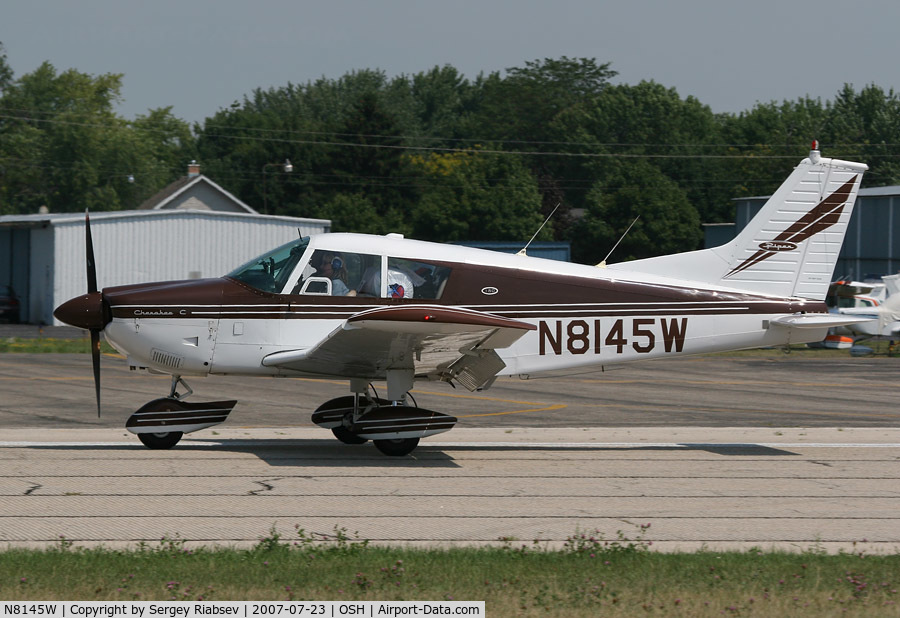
(384, 308)
(879, 320)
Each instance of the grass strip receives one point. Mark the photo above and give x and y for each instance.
(50, 345)
(588, 577)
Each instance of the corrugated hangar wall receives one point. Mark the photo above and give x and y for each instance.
(149, 246)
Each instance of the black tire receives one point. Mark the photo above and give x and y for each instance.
(163, 440)
(398, 447)
(346, 436)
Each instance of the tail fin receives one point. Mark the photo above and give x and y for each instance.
(789, 248)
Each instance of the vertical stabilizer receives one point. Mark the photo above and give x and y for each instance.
(790, 247)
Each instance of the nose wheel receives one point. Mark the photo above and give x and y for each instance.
(161, 440)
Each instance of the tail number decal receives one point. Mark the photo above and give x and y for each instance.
(587, 336)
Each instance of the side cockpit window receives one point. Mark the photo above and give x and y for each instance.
(336, 273)
(414, 279)
(343, 273)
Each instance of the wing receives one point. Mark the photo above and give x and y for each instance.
(441, 343)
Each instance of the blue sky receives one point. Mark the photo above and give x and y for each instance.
(201, 55)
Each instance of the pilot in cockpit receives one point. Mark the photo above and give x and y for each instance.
(332, 267)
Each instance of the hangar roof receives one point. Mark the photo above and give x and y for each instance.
(887, 191)
(45, 219)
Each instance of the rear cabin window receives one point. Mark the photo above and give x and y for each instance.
(414, 279)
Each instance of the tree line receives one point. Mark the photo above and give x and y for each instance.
(439, 156)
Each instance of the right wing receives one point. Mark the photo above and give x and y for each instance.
(441, 343)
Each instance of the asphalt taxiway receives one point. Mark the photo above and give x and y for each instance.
(785, 390)
(789, 452)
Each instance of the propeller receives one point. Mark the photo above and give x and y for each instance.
(92, 289)
(89, 311)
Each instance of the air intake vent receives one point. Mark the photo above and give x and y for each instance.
(166, 359)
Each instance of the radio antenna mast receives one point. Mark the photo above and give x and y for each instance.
(621, 238)
(522, 250)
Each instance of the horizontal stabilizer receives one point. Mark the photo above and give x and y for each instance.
(815, 320)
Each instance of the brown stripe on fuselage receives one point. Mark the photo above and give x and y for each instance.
(519, 294)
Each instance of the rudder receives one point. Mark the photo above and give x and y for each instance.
(789, 248)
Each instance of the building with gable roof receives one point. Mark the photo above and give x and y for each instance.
(195, 192)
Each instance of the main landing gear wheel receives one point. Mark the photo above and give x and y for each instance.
(398, 447)
(158, 441)
(346, 436)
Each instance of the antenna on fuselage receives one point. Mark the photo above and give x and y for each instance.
(602, 264)
(522, 250)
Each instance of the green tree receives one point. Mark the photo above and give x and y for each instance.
(668, 223)
(475, 195)
(526, 102)
(6, 72)
(343, 137)
(523, 110)
(865, 125)
(653, 123)
(370, 160)
(65, 148)
(767, 142)
(354, 212)
(442, 100)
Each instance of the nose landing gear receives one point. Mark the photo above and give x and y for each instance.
(161, 423)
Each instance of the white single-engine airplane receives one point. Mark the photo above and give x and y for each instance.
(370, 308)
(881, 319)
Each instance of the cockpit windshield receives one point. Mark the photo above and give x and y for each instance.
(270, 271)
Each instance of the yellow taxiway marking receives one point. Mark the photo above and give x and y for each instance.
(549, 408)
(321, 380)
(658, 408)
(543, 407)
(842, 385)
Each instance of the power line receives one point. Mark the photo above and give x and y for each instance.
(481, 150)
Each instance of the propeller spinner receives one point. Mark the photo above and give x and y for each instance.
(89, 311)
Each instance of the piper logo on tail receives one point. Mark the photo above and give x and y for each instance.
(777, 246)
(825, 214)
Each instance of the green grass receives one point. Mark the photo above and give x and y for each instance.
(50, 345)
(588, 577)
